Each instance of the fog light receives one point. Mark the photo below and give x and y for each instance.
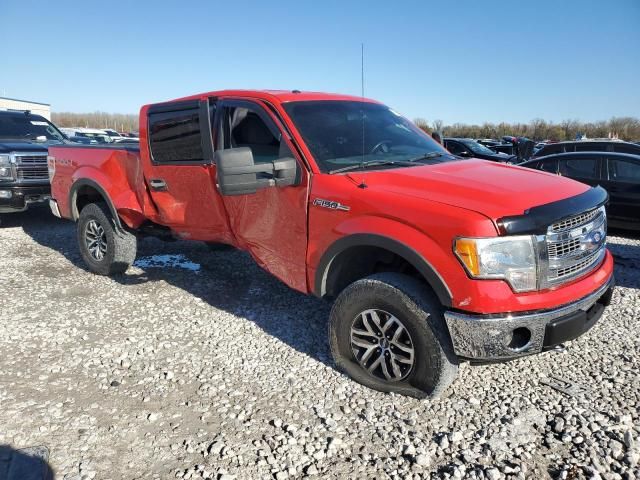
(520, 338)
(6, 194)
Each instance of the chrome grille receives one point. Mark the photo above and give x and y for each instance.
(569, 223)
(573, 247)
(31, 168)
(571, 270)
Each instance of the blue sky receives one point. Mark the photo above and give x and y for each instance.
(459, 60)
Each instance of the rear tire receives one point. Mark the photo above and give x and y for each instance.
(417, 353)
(105, 249)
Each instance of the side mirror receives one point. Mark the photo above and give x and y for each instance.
(238, 174)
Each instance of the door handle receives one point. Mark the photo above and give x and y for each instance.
(158, 185)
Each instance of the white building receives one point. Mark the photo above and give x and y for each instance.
(37, 108)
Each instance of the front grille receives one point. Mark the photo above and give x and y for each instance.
(569, 223)
(571, 270)
(31, 168)
(574, 246)
(561, 249)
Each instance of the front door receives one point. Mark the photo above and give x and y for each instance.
(179, 173)
(623, 184)
(272, 223)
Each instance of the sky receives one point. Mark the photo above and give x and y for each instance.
(458, 61)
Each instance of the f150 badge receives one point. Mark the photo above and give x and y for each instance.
(319, 202)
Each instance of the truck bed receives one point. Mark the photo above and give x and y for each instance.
(113, 169)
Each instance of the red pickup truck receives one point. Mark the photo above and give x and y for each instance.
(430, 259)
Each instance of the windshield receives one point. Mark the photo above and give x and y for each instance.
(476, 147)
(29, 127)
(333, 130)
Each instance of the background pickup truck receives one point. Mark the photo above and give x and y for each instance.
(430, 259)
(24, 138)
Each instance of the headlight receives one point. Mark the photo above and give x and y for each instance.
(509, 258)
(5, 168)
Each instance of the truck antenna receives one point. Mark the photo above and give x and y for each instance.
(362, 184)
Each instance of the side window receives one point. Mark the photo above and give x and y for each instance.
(626, 148)
(243, 127)
(624, 171)
(550, 166)
(175, 136)
(579, 167)
(455, 148)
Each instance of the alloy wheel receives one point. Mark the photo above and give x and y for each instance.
(382, 345)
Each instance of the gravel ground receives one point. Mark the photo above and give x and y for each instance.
(198, 364)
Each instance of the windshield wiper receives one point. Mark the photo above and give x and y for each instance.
(372, 163)
(427, 156)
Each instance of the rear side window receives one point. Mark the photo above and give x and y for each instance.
(626, 148)
(175, 136)
(549, 150)
(624, 171)
(579, 168)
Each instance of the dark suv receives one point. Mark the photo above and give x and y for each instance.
(588, 146)
(24, 141)
(618, 173)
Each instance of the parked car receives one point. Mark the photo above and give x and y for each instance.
(468, 148)
(618, 173)
(24, 139)
(588, 146)
(430, 260)
(118, 137)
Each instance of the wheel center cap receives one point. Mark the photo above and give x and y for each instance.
(384, 343)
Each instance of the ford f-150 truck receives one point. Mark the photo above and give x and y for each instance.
(430, 259)
(24, 138)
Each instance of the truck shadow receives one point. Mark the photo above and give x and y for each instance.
(228, 280)
(24, 464)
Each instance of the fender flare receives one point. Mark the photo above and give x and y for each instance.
(73, 196)
(433, 278)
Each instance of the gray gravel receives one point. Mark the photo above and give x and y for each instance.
(222, 372)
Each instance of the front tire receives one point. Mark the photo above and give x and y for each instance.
(387, 332)
(105, 250)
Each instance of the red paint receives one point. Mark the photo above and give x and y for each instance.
(424, 208)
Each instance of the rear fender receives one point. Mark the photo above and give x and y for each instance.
(121, 200)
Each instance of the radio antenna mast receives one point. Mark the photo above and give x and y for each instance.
(362, 98)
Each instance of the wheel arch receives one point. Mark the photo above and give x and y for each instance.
(327, 280)
(86, 189)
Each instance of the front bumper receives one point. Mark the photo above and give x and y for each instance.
(501, 337)
(20, 197)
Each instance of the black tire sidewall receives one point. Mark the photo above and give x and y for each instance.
(430, 358)
(96, 212)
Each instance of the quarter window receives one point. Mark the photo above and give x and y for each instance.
(174, 137)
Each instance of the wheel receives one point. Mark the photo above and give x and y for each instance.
(387, 332)
(105, 250)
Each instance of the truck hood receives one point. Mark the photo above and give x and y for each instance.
(8, 146)
(493, 189)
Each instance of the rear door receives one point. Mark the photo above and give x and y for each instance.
(271, 223)
(179, 173)
(623, 184)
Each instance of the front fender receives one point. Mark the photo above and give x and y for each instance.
(414, 246)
